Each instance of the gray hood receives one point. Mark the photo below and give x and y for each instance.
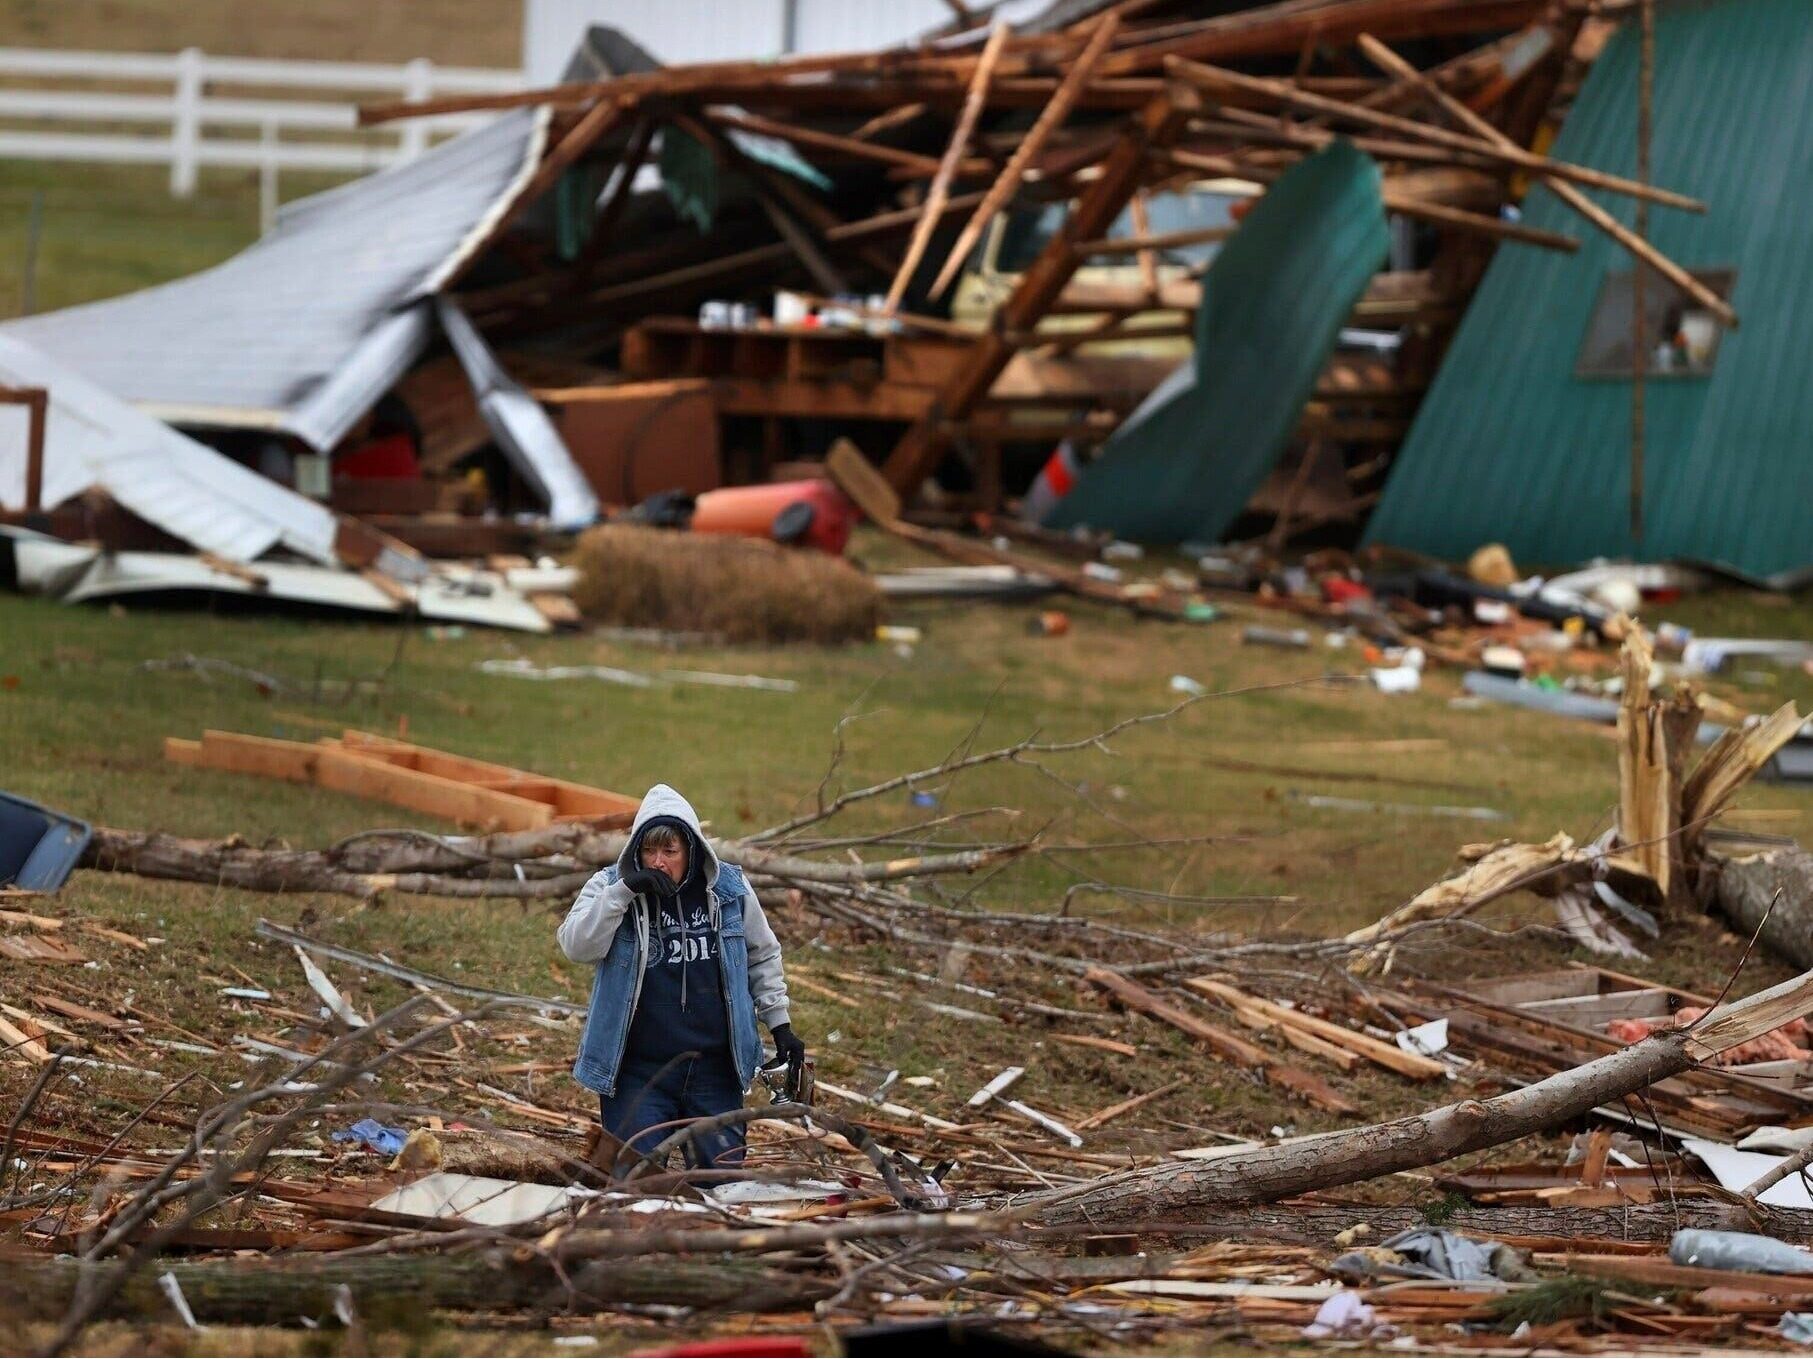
(664, 801)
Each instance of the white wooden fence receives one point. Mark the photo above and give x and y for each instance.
(330, 138)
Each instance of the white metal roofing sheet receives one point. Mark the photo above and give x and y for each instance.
(92, 438)
(305, 329)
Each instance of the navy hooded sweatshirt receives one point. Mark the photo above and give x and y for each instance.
(681, 1008)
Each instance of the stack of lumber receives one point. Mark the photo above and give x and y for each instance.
(470, 792)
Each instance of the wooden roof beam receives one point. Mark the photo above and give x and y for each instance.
(917, 453)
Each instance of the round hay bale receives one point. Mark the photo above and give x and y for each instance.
(741, 589)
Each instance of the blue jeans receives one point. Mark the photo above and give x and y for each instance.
(650, 1105)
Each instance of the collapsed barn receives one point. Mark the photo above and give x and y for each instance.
(983, 259)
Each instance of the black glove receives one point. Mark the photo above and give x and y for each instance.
(649, 882)
(788, 1047)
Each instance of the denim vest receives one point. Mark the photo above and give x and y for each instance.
(617, 984)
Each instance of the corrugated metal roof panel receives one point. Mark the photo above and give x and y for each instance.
(1187, 461)
(305, 329)
(519, 424)
(1511, 447)
(92, 438)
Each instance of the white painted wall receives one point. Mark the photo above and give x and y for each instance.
(678, 31)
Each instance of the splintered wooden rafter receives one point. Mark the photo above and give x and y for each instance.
(1050, 119)
(1217, 80)
(1555, 177)
(1122, 171)
(974, 101)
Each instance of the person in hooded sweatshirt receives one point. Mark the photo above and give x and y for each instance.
(685, 965)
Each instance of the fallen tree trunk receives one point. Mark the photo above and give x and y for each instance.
(1743, 889)
(281, 1293)
(414, 862)
(1267, 1174)
(614, 1245)
(231, 863)
(1316, 1224)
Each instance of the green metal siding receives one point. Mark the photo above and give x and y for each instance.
(1273, 302)
(1511, 447)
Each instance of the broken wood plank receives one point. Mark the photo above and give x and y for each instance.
(1136, 997)
(1302, 1040)
(1665, 1273)
(117, 936)
(1498, 147)
(974, 100)
(829, 141)
(886, 1107)
(1385, 1054)
(37, 1025)
(1127, 1106)
(1043, 1120)
(20, 1045)
(70, 1010)
(1224, 1044)
(1555, 176)
(35, 948)
(1164, 240)
(819, 989)
(996, 1087)
(349, 772)
(46, 924)
(237, 753)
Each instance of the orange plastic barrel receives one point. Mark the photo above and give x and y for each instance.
(808, 513)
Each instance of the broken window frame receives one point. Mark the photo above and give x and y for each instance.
(1604, 353)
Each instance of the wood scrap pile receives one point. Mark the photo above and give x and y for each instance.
(835, 1221)
(967, 1190)
(1536, 1023)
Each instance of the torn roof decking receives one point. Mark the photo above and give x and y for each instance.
(302, 332)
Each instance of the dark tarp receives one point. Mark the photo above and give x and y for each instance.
(1184, 464)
